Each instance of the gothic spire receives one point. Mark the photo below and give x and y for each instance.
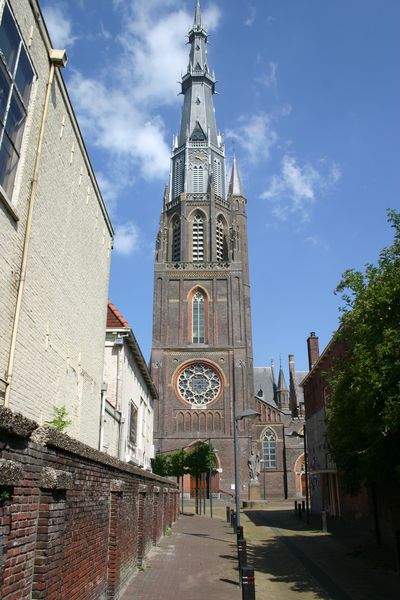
(197, 17)
(282, 387)
(198, 86)
(235, 183)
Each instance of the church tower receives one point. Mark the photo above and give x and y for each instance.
(202, 345)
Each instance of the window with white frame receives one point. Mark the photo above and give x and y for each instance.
(269, 450)
(16, 78)
(198, 321)
(198, 238)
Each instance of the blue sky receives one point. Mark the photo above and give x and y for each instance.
(309, 96)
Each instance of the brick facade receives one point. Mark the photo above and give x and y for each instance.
(76, 523)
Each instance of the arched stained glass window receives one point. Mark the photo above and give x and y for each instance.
(269, 450)
(176, 240)
(198, 327)
(198, 239)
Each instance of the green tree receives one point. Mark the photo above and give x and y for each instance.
(161, 465)
(199, 461)
(363, 412)
(178, 467)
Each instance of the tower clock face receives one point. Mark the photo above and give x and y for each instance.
(199, 384)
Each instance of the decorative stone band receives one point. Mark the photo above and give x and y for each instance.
(142, 488)
(53, 479)
(165, 490)
(201, 266)
(11, 472)
(117, 485)
(156, 489)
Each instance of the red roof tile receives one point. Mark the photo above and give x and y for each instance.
(114, 318)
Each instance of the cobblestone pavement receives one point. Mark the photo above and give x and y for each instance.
(197, 562)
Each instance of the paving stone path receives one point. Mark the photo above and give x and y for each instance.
(197, 562)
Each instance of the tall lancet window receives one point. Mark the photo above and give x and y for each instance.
(269, 450)
(221, 243)
(198, 179)
(198, 238)
(178, 177)
(176, 240)
(217, 177)
(198, 326)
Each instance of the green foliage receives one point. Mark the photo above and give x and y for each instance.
(4, 496)
(59, 422)
(161, 465)
(199, 460)
(177, 463)
(364, 405)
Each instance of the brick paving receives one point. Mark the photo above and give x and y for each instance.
(197, 561)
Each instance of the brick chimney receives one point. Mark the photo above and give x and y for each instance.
(313, 349)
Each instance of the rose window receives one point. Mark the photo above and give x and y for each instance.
(199, 384)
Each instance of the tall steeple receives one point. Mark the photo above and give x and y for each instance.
(235, 183)
(198, 125)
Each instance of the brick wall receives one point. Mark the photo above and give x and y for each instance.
(74, 523)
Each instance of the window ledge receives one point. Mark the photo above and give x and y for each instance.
(9, 206)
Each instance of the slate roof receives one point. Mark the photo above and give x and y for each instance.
(263, 380)
(299, 376)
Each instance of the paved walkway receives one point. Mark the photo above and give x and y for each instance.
(197, 562)
(293, 562)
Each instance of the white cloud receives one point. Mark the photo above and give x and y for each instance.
(251, 17)
(256, 134)
(296, 188)
(118, 108)
(126, 239)
(59, 26)
(269, 78)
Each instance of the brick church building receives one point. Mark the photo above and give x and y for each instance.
(202, 357)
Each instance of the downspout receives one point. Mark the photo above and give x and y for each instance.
(57, 59)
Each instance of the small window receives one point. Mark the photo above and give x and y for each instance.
(133, 425)
(16, 77)
(269, 450)
(221, 243)
(198, 327)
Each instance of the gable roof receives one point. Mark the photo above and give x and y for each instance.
(263, 380)
(114, 317)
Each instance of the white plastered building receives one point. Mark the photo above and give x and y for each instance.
(127, 403)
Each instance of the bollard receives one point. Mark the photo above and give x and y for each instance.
(299, 510)
(303, 505)
(242, 554)
(234, 522)
(248, 583)
(231, 519)
(295, 507)
(228, 514)
(324, 523)
(239, 533)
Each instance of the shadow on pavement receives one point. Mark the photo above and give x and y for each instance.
(315, 563)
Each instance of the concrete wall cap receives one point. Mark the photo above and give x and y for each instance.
(117, 485)
(156, 489)
(142, 488)
(53, 479)
(11, 472)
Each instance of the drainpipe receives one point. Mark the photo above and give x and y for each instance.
(58, 58)
(103, 390)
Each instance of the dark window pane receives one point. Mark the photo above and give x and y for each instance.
(8, 165)
(15, 121)
(5, 86)
(24, 76)
(9, 39)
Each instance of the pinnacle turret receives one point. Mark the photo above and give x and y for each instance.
(235, 183)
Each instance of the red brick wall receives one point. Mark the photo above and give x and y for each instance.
(76, 523)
